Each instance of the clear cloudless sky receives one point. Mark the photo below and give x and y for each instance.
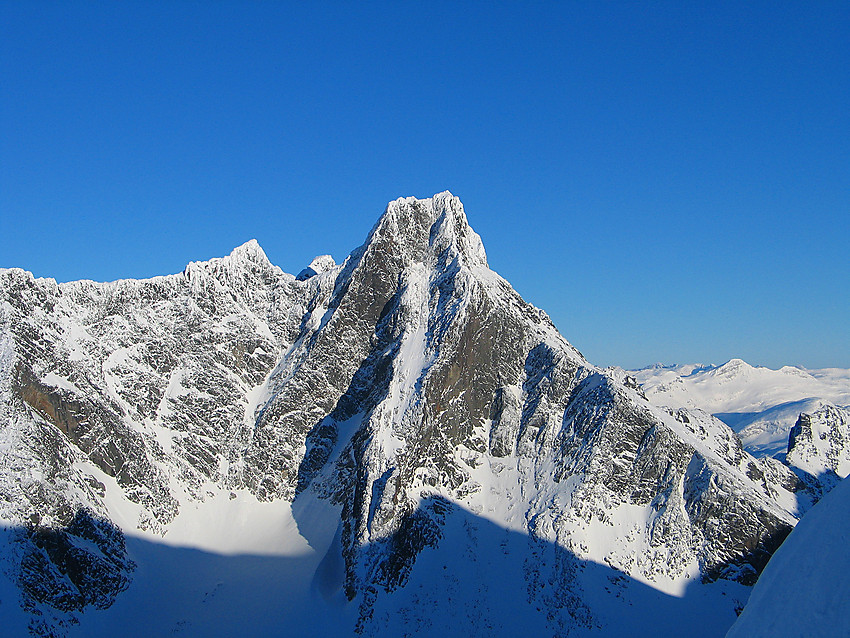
(670, 181)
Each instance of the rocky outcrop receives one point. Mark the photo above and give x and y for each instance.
(819, 448)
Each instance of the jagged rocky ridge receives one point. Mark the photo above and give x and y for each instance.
(411, 390)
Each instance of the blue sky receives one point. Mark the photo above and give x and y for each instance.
(669, 181)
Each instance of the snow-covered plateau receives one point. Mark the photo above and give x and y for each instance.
(394, 445)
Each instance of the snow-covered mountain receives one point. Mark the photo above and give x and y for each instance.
(759, 403)
(398, 443)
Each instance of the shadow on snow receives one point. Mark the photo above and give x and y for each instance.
(474, 578)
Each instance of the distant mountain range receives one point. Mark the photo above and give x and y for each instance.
(760, 404)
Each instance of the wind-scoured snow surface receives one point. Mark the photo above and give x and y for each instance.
(804, 590)
(398, 444)
(760, 404)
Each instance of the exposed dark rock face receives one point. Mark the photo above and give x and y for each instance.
(405, 385)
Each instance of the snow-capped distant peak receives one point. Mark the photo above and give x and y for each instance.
(322, 263)
(319, 265)
(734, 367)
(244, 258)
(251, 249)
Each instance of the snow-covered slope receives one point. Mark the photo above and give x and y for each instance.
(395, 442)
(759, 403)
(804, 589)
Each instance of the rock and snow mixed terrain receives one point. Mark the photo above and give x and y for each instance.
(397, 444)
